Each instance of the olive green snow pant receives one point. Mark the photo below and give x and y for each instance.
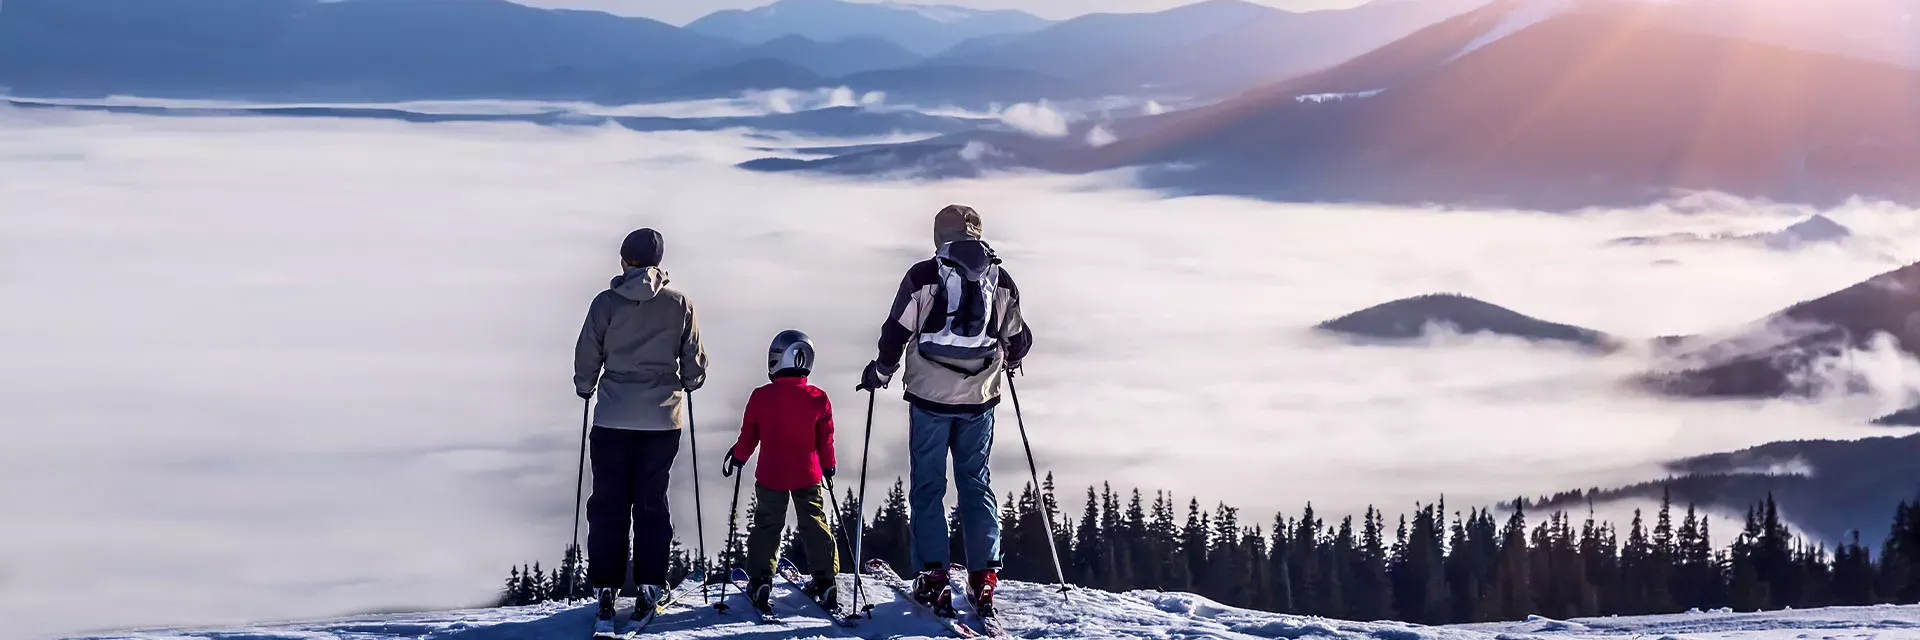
(770, 516)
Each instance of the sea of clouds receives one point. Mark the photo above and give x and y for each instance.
(273, 368)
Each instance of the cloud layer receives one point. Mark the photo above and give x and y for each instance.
(265, 368)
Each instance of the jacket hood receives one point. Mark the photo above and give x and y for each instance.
(639, 284)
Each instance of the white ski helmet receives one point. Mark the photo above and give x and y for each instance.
(792, 350)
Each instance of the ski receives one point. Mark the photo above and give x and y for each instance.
(792, 575)
(737, 577)
(659, 608)
(880, 571)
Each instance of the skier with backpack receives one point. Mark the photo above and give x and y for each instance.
(640, 352)
(956, 322)
(791, 423)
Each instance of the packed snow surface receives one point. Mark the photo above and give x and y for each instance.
(1037, 611)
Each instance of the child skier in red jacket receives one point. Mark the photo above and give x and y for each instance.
(792, 423)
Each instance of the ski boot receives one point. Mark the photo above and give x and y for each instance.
(647, 604)
(825, 590)
(932, 589)
(603, 625)
(760, 593)
(980, 586)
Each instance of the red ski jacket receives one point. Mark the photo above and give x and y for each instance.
(794, 422)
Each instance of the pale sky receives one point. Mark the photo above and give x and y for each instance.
(684, 11)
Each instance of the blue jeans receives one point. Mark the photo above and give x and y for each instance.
(970, 437)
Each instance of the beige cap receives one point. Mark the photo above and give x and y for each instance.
(955, 222)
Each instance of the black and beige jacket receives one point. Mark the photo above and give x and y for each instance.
(945, 384)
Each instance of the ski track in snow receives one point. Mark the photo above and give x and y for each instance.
(1036, 611)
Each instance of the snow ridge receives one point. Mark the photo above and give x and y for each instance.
(1037, 611)
(1526, 14)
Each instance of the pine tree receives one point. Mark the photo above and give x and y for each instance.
(510, 592)
(1337, 561)
(1661, 559)
(1748, 587)
(529, 589)
(1897, 557)
(1463, 582)
(1089, 566)
(1309, 588)
(1418, 569)
(571, 576)
(1900, 557)
(1023, 539)
(1773, 558)
(733, 554)
(1135, 561)
(1159, 547)
(1279, 567)
(1060, 528)
(1636, 572)
(679, 564)
(1853, 574)
(1193, 543)
(1510, 595)
(1226, 563)
(1122, 547)
(889, 537)
(1256, 574)
(1371, 596)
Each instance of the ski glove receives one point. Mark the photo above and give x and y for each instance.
(585, 395)
(1013, 368)
(828, 472)
(874, 377)
(730, 465)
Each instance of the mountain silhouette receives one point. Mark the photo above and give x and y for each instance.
(1532, 105)
(923, 29)
(1416, 317)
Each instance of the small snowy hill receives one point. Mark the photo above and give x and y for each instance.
(1033, 611)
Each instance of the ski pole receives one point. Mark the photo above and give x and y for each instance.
(860, 507)
(733, 516)
(858, 587)
(1045, 513)
(579, 491)
(699, 518)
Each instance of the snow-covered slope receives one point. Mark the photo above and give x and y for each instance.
(1034, 611)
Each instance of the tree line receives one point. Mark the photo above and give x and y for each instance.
(1430, 566)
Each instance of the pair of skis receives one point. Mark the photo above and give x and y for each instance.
(834, 612)
(946, 613)
(791, 574)
(666, 601)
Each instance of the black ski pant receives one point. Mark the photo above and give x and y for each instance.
(630, 471)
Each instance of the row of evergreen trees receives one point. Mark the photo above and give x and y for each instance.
(1431, 567)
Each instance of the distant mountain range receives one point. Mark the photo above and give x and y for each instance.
(1813, 231)
(843, 121)
(1791, 353)
(925, 29)
(1556, 104)
(1087, 44)
(1776, 356)
(1829, 488)
(360, 50)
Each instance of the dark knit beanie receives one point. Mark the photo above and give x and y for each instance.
(644, 247)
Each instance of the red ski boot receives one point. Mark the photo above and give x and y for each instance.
(980, 586)
(932, 589)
